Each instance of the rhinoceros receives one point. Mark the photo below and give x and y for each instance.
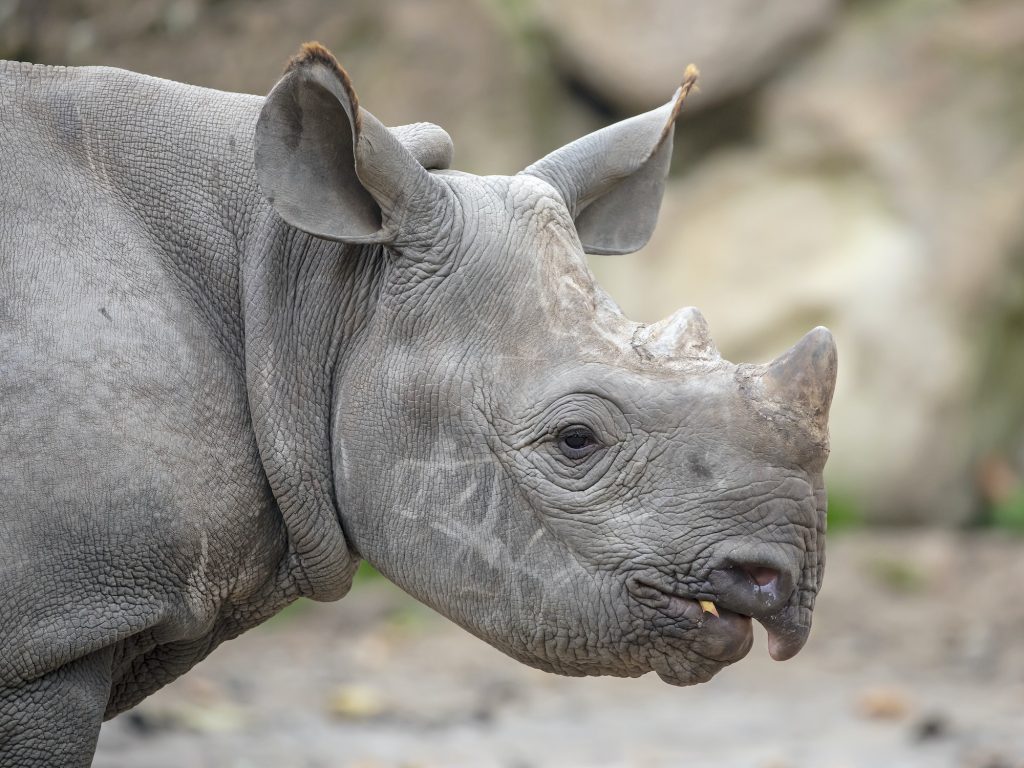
(246, 343)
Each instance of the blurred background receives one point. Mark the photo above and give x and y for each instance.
(855, 164)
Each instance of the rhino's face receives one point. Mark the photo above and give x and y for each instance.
(565, 483)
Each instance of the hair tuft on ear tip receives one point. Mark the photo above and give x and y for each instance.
(313, 53)
(690, 76)
(310, 53)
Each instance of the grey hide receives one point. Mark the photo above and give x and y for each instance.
(246, 342)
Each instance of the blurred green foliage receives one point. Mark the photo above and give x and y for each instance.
(366, 573)
(843, 512)
(1009, 514)
(286, 615)
(897, 575)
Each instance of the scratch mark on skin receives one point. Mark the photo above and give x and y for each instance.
(482, 547)
(197, 580)
(98, 168)
(524, 359)
(439, 465)
(467, 494)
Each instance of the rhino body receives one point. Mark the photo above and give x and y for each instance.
(246, 342)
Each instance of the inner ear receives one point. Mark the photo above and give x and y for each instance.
(305, 158)
(612, 180)
(623, 219)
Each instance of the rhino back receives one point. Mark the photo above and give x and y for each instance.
(135, 507)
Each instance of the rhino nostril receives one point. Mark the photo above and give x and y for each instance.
(761, 575)
(752, 578)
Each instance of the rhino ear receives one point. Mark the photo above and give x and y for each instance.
(612, 180)
(331, 168)
(429, 144)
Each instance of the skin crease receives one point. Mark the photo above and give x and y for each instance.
(208, 412)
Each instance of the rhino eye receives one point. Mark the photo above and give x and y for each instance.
(577, 441)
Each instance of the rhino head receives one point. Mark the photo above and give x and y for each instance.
(588, 494)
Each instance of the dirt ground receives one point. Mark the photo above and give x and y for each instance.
(916, 659)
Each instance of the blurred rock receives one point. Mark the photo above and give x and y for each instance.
(19, 22)
(883, 703)
(633, 52)
(987, 758)
(410, 61)
(356, 702)
(931, 727)
(882, 198)
(212, 718)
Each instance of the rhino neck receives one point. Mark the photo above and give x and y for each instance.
(306, 302)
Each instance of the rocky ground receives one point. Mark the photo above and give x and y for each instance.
(916, 659)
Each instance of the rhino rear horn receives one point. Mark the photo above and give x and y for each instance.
(805, 376)
(682, 335)
(612, 180)
(331, 168)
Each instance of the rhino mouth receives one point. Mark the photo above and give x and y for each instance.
(723, 637)
(720, 632)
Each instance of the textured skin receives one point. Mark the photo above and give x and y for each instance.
(147, 321)
(206, 413)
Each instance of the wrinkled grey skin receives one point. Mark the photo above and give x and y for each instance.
(245, 343)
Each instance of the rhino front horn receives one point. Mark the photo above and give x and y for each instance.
(805, 376)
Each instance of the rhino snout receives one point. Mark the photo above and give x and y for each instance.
(760, 581)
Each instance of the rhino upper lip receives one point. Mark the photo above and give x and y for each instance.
(646, 590)
(784, 638)
(644, 585)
